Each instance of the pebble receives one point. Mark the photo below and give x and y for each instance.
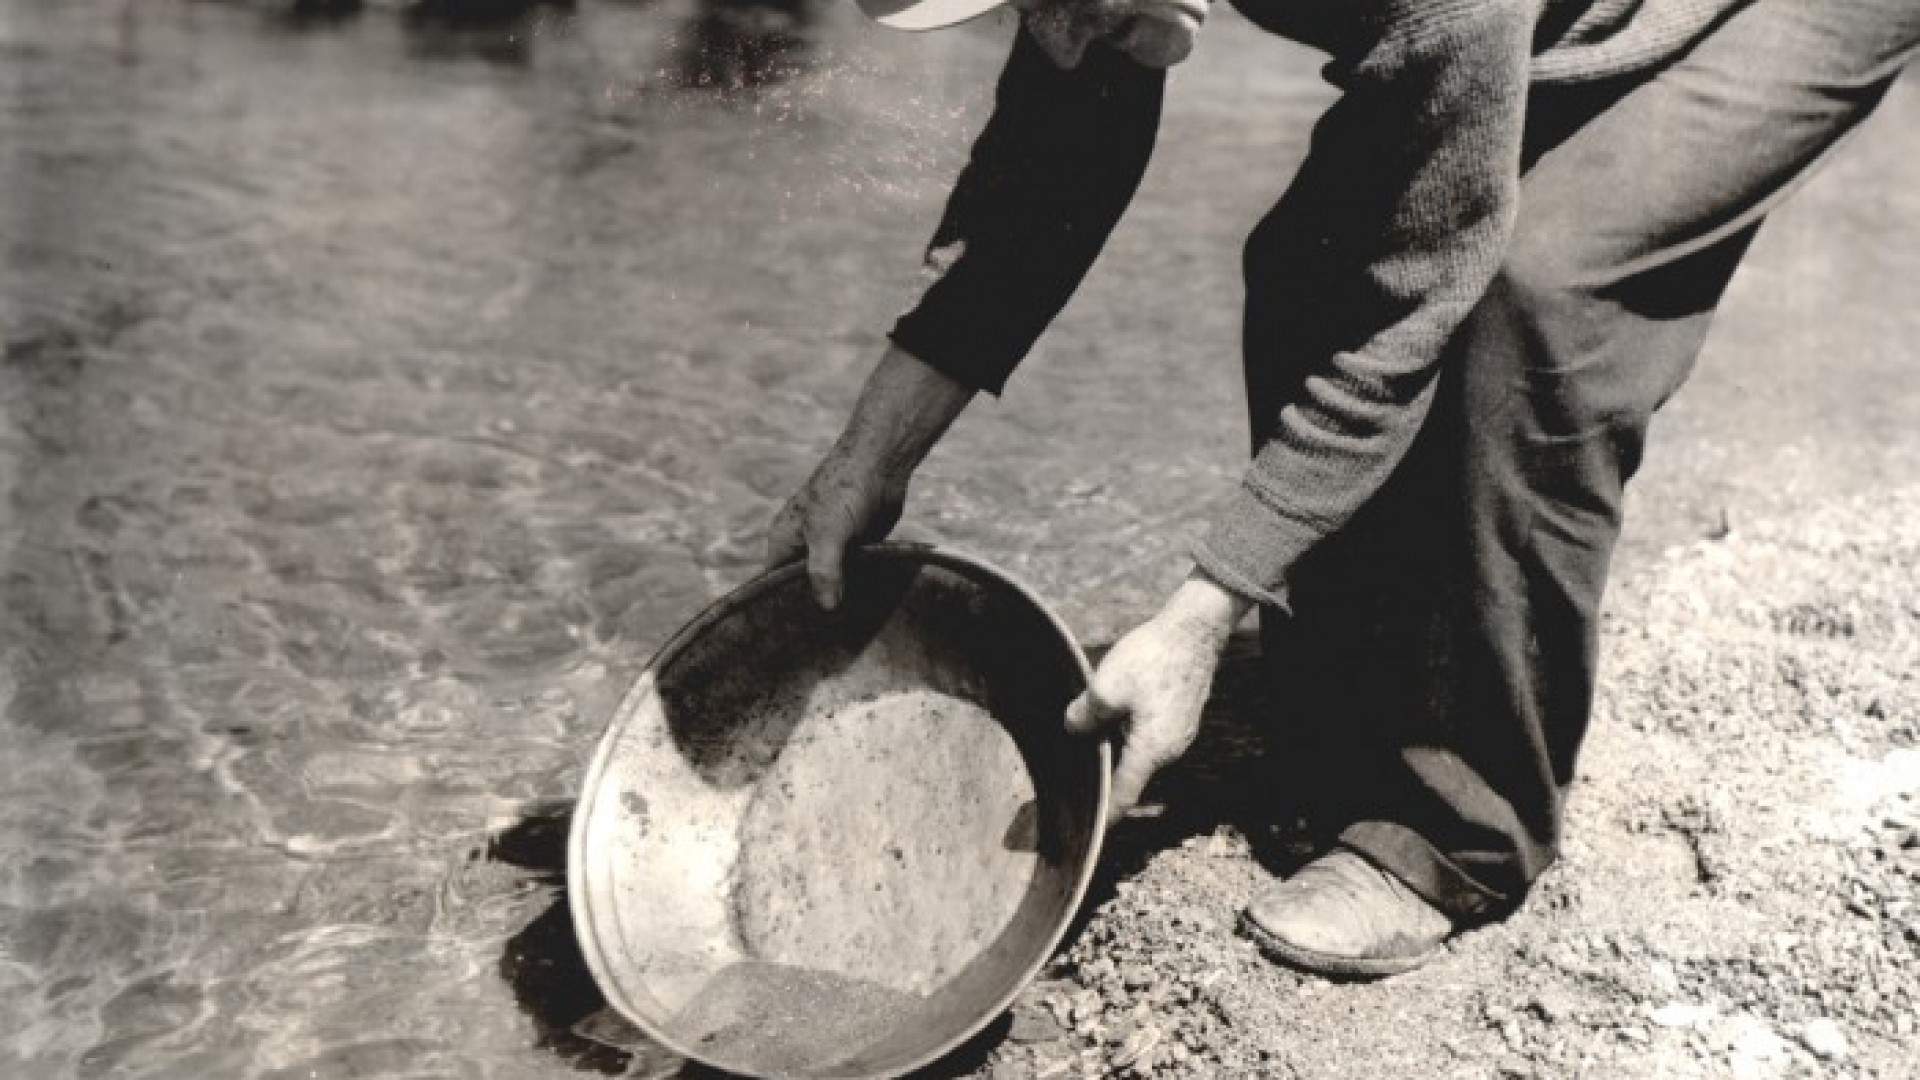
(1677, 1014)
(1044, 1069)
(1665, 981)
(1135, 1047)
(1009, 1069)
(1032, 1025)
(1824, 1037)
(1549, 1009)
(1754, 1049)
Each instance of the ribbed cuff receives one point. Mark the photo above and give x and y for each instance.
(1251, 546)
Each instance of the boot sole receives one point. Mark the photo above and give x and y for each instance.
(1319, 963)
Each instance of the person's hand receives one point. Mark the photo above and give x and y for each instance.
(1156, 680)
(848, 500)
(855, 495)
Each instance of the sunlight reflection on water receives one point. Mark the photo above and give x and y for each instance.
(379, 391)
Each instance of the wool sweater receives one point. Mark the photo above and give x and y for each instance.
(1422, 154)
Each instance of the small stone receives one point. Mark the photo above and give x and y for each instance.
(1048, 1067)
(1008, 1068)
(1665, 981)
(1135, 1047)
(1548, 1009)
(1678, 1014)
(1824, 1037)
(1753, 1048)
(1033, 1024)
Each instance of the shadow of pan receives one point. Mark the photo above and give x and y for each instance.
(550, 981)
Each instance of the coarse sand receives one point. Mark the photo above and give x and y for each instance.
(1738, 896)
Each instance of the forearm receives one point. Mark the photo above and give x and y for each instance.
(903, 410)
(1410, 193)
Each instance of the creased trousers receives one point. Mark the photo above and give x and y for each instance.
(1441, 655)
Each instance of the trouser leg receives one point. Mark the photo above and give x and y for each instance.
(1450, 630)
(1297, 314)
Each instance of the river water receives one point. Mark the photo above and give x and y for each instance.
(379, 390)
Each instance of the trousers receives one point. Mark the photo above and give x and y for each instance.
(1441, 654)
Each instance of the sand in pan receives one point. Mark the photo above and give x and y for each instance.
(877, 846)
(875, 865)
(779, 1020)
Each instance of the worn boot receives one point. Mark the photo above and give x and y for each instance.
(1342, 916)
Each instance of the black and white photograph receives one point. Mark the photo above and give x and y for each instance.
(959, 539)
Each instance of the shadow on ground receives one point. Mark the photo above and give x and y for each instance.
(1236, 776)
(548, 975)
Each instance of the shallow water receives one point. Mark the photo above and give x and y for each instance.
(378, 392)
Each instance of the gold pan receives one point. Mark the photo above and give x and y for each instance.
(836, 844)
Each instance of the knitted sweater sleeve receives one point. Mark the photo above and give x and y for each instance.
(1050, 175)
(1421, 159)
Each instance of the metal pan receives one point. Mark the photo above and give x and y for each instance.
(818, 844)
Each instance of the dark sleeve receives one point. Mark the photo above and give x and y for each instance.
(1056, 165)
(1421, 157)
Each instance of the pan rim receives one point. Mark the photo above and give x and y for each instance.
(580, 876)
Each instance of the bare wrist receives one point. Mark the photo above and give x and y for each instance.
(903, 410)
(1207, 607)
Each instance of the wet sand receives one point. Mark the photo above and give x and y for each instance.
(377, 394)
(780, 1020)
(883, 880)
